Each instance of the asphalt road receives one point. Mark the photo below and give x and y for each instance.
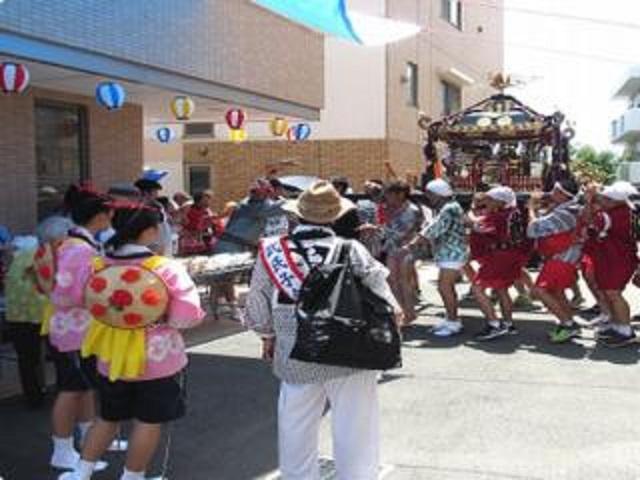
(517, 408)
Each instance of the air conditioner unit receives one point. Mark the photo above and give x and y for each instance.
(199, 131)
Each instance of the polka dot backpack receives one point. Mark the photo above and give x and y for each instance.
(123, 300)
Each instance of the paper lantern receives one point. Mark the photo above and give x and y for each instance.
(299, 132)
(278, 126)
(238, 135)
(235, 118)
(14, 77)
(183, 107)
(110, 95)
(165, 135)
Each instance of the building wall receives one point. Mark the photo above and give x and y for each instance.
(114, 144)
(234, 167)
(438, 48)
(165, 157)
(228, 42)
(355, 86)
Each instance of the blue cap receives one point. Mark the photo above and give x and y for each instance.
(154, 175)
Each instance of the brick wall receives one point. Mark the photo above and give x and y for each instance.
(406, 159)
(234, 167)
(114, 149)
(17, 162)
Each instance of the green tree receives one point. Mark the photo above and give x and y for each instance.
(600, 166)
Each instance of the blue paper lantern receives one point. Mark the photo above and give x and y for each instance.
(165, 135)
(301, 132)
(110, 95)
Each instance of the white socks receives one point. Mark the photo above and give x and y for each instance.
(129, 475)
(65, 456)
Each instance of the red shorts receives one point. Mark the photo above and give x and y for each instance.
(557, 276)
(614, 275)
(500, 270)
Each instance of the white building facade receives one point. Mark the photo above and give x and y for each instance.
(625, 129)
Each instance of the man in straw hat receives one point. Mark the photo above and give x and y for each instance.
(306, 387)
(556, 237)
(615, 258)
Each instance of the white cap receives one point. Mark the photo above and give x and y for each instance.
(504, 195)
(619, 191)
(439, 187)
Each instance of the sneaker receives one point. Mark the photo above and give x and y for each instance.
(600, 320)
(440, 326)
(604, 330)
(69, 461)
(594, 310)
(564, 333)
(491, 332)
(618, 340)
(70, 476)
(449, 329)
(76, 475)
(511, 328)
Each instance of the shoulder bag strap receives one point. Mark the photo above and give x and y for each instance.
(301, 249)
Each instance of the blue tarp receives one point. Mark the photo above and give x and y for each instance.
(328, 16)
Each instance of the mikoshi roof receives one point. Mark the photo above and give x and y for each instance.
(498, 118)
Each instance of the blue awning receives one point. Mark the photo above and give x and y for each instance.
(328, 16)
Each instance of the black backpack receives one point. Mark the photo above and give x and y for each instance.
(341, 322)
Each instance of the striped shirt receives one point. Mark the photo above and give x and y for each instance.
(562, 219)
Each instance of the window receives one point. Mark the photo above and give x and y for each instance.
(451, 98)
(198, 129)
(61, 151)
(412, 84)
(199, 178)
(452, 12)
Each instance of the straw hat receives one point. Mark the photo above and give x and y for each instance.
(320, 203)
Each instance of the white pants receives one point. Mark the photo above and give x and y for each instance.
(355, 418)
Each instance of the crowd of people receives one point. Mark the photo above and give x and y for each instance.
(100, 284)
(111, 305)
(593, 231)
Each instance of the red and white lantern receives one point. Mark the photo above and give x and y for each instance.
(14, 77)
(235, 118)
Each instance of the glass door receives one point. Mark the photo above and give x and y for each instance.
(61, 152)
